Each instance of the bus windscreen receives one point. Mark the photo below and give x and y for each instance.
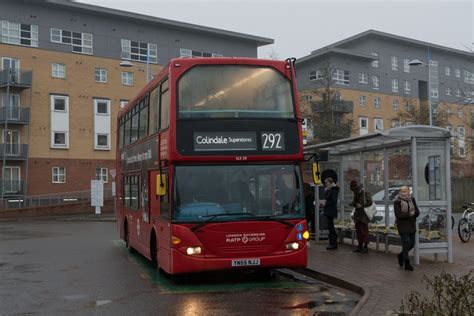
(223, 91)
(241, 191)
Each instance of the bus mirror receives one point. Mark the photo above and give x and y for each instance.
(161, 184)
(316, 173)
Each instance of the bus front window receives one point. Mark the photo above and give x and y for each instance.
(251, 190)
(234, 92)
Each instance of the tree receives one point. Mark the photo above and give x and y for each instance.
(412, 114)
(328, 115)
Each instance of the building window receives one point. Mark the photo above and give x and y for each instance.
(375, 63)
(394, 85)
(59, 175)
(308, 97)
(100, 75)
(407, 87)
(183, 52)
(102, 141)
(448, 91)
(377, 102)
(363, 125)
(139, 51)
(395, 105)
(378, 124)
(362, 100)
(101, 174)
(80, 42)
(406, 65)
(19, 34)
(315, 75)
(434, 93)
(363, 78)
(468, 77)
(460, 113)
(127, 78)
(375, 82)
(461, 139)
(341, 77)
(58, 70)
(449, 111)
(394, 63)
(60, 103)
(123, 103)
(447, 71)
(102, 107)
(59, 139)
(458, 93)
(457, 72)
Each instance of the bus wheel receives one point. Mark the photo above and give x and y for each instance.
(127, 238)
(154, 252)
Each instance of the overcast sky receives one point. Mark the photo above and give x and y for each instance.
(299, 27)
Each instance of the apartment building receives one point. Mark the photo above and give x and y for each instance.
(62, 82)
(378, 75)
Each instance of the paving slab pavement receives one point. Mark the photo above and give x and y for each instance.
(378, 273)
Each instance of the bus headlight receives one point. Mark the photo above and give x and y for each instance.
(292, 246)
(193, 251)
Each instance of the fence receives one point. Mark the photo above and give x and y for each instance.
(51, 199)
(462, 190)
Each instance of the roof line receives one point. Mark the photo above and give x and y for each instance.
(335, 45)
(261, 41)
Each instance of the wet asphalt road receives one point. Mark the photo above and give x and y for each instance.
(57, 267)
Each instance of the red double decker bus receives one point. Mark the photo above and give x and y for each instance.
(209, 167)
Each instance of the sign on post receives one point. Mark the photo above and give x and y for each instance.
(113, 173)
(97, 195)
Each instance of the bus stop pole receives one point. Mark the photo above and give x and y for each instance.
(316, 213)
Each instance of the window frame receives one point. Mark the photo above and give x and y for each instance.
(56, 70)
(55, 173)
(126, 75)
(60, 146)
(99, 175)
(394, 63)
(101, 76)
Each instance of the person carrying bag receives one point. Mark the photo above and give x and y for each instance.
(362, 199)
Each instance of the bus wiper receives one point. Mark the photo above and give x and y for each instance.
(275, 218)
(212, 217)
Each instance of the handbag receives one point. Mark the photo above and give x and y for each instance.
(371, 210)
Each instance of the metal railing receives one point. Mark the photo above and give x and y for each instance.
(14, 151)
(12, 187)
(14, 114)
(51, 199)
(16, 78)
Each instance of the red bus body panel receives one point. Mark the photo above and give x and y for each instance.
(221, 242)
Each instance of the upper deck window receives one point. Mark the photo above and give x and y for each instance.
(234, 92)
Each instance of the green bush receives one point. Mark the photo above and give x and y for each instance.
(451, 295)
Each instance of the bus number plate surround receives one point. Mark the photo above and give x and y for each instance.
(246, 262)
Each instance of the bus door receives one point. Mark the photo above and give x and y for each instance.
(160, 213)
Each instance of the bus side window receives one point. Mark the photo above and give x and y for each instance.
(164, 201)
(164, 106)
(154, 114)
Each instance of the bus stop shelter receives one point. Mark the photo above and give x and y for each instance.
(417, 156)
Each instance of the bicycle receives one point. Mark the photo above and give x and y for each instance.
(466, 223)
(435, 219)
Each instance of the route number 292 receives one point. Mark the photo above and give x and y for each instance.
(273, 141)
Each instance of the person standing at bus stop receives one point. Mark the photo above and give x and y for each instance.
(361, 199)
(406, 212)
(331, 191)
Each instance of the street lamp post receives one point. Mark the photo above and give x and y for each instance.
(417, 62)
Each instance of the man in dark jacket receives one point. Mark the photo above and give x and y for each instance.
(406, 212)
(331, 192)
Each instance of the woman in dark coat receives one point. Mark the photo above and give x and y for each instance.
(406, 212)
(331, 192)
(361, 199)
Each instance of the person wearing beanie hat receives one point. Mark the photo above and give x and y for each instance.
(361, 199)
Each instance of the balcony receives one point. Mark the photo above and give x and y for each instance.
(11, 151)
(341, 106)
(16, 78)
(12, 187)
(15, 115)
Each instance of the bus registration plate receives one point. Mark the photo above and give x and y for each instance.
(245, 262)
